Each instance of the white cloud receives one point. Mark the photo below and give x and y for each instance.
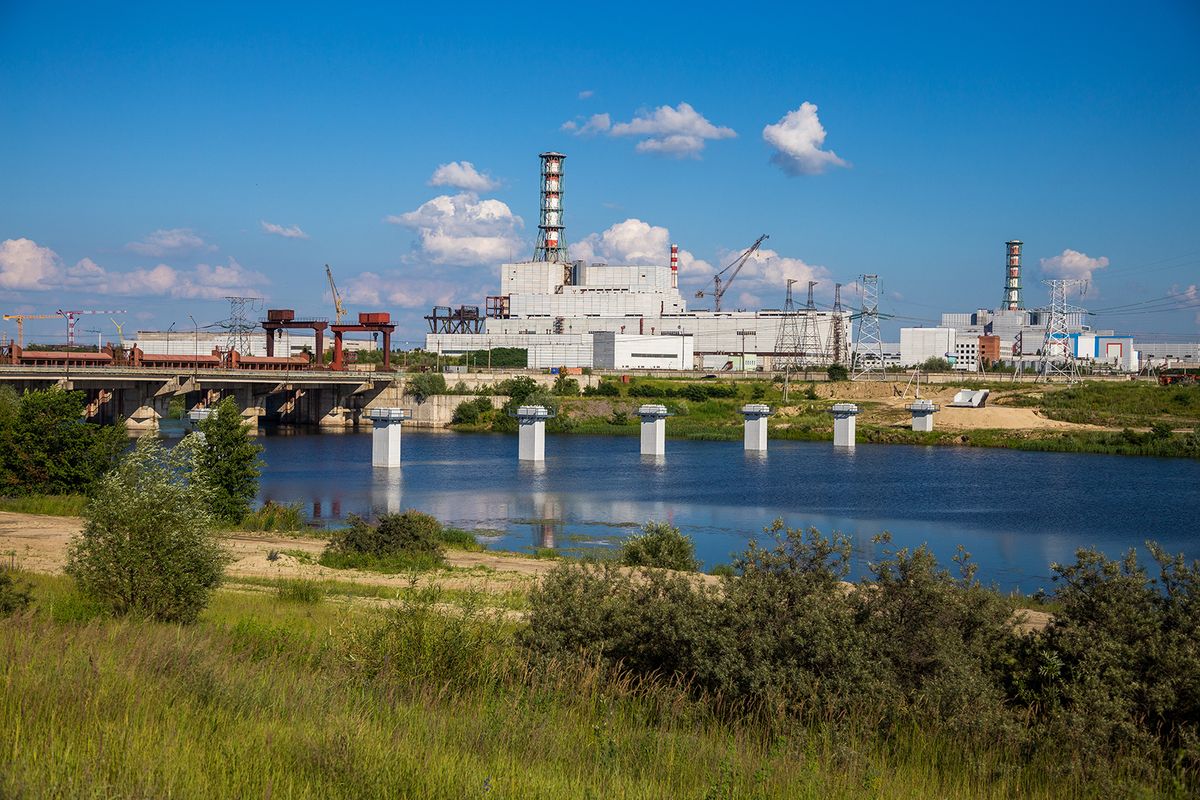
(175, 241)
(797, 139)
(678, 131)
(24, 264)
(769, 272)
(399, 290)
(635, 242)
(462, 175)
(203, 281)
(463, 230)
(1073, 264)
(585, 94)
(287, 232)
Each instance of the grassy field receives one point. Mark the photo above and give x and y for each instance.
(60, 505)
(1119, 405)
(328, 698)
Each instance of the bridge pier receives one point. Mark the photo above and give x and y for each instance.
(755, 434)
(654, 429)
(843, 424)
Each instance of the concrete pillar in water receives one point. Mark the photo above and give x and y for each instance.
(385, 438)
(843, 424)
(922, 415)
(194, 418)
(654, 429)
(531, 425)
(756, 426)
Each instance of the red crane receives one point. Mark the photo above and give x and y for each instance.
(73, 316)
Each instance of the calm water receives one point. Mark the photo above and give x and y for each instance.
(1014, 512)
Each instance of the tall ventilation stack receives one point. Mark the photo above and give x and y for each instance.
(1012, 285)
(550, 244)
(674, 266)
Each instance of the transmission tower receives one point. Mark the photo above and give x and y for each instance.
(868, 353)
(812, 353)
(238, 326)
(838, 333)
(1058, 357)
(787, 344)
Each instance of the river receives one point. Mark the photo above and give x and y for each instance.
(1015, 512)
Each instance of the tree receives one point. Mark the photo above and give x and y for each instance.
(47, 448)
(565, 385)
(838, 372)
(426, 384)
(148, 546)
(229, 458)
(660, 544)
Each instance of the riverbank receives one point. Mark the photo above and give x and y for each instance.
(1095, 417)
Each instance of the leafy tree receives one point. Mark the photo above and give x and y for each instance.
(229, 458)
(565, 385)
(426, 384)
(838, 372)
(935, 364)
(148, 546)
(47, 448)
(660, 544)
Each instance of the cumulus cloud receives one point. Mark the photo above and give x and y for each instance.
(464, 230)
(24, 264)
(462, 175)
(797, 139)
(635, 242)
(175, 241)
(1073, 264)
(679, 132)
(767, 271)
(287, 232)
(400, 290)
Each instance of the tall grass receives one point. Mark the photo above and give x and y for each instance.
(58, 505)
(274, 517)
(264, 698)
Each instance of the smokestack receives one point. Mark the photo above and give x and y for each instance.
(550, 245)
(1012, 282)
(674, 266)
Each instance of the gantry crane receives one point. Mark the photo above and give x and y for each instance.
(20, 318)
(720, 283)
(339, 310)
(73, 316)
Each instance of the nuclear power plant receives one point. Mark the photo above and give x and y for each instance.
(628, 316)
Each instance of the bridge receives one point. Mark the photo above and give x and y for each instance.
(143, 395)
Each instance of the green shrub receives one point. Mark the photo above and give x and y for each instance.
(425, 384)
(810, 392)
(469, 412)
(148, 544)
(300, 590)
(459, 539)
(723, 571)
(837, 372)
(565, 386)
(399, 542)
(14, 597)
(517, 389)
(660, 544)
(605, 388)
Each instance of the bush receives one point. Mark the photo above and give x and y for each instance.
(469, 412)
(410, 540)
(459, 539)
(935, 364)
(660, 545)
(565, 386)
(603, 389)
(229, 457)
(14, 597)
(148, 546)
(275, 517)
(810, 392)
(837, 372)
(425, 384)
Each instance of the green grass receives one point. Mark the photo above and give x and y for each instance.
(509, 600)
(268, 698)
(58, 505)
(387, 564)
(459, 539)
(274, 517)
(1118, 405)
(300, 590)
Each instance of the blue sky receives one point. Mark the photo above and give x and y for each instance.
(155, 155)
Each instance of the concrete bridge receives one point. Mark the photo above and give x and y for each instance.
(142, 395)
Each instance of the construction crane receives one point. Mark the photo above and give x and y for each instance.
(73, 316)
(721, 283)
(120, 332)
(339, 310)
(20, 318)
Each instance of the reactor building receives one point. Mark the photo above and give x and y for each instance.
(622, 316)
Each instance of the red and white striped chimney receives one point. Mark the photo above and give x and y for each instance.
(674, 266)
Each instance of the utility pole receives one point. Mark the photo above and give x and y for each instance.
(810, 338)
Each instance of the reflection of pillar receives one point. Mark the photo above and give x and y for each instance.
(843, 424)
(922, 415)
(755, 437)
(654, 429)
(531, 425)
(385, 438)
(316, 509)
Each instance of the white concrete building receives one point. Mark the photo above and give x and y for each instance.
(918, 345)
(623, 351)
(192, 342)
(966, 352)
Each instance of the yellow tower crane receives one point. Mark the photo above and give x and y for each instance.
(20, 318)
(338, 309)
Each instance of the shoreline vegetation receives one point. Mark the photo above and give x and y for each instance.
(1134, 419)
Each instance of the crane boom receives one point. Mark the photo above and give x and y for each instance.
(721, 283)
(20, 318)
(339, 311)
